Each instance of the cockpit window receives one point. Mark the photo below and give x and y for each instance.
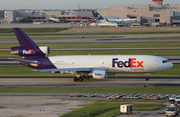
(165, 61)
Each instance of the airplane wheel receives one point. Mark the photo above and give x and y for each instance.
(172, 101)
(83, 76)
(87, 77)
(147, 79)
(76, 79)
(80, 79)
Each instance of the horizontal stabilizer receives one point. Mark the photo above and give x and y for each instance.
(26, 61)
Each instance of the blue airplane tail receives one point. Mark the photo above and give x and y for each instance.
(97, 15)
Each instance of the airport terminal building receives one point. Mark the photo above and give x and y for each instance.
(44, 16)
(156, 13)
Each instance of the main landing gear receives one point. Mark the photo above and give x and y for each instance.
(81, 78)
(147, 76)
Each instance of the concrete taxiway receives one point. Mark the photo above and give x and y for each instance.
(37, 106)
(68, 82)
(92, 41)
(110, 39)
(143, 36)
(88, 49)
(53, 106)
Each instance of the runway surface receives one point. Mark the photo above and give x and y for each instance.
(79, 49)
(68, 82)
(111, 39)
(92, 41)
(138, 36)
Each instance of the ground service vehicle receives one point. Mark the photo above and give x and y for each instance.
(175, 100)
(172, 110)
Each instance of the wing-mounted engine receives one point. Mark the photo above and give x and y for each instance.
(99, 74)
(22, 51)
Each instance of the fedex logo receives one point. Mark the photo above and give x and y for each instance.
(98, 74)
(29, 52)
(131, 63)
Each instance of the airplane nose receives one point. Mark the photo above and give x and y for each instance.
(170, 65)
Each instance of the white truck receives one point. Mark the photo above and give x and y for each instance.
(126, 109)
(175, 100)
(135, 25)
(172, 110)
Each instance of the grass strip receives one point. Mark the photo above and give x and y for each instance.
(127, 90)
(49, 38)
(102, 45)
(108, 109)
(19, 70)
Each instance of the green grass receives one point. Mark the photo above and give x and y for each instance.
(127, 90)
(19, 70)
(82, 37)
(108, 109)
(102, 45)
(103, 108)
(49, 38)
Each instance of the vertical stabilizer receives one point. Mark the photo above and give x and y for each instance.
(97, 15)
(27, 46)
(24, 39)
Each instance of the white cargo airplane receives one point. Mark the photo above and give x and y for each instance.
(85, 66)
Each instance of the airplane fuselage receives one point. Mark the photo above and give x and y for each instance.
(112, 63)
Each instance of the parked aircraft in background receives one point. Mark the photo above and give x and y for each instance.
(105, 24)
(54, 19)
(122, 20)
(84, 66)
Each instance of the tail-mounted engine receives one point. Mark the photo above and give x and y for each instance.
(22, 51)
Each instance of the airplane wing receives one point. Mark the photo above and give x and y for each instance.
(35, 62)
(26, 61)
(73, 69)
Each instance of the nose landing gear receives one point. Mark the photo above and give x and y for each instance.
(147, 76)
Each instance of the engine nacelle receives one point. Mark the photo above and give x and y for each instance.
(45, 49)
(99, 74)
(31, 51)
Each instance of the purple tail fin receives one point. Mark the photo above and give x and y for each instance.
(24, 39)
(28, 47)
